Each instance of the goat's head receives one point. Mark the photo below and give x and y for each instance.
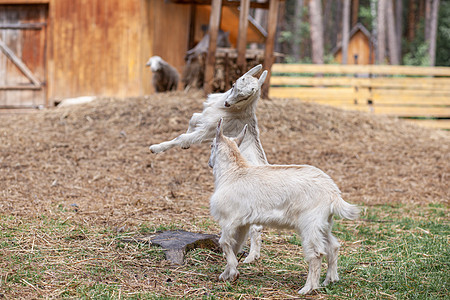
(155, 63)
(222, 141)
(245, 88)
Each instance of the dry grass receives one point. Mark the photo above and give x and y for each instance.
(74, 180)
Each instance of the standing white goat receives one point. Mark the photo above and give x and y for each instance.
(237, 107)
(165, 77)
(298, 197)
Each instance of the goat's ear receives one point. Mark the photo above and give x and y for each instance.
(253, 71)
(241, 136)
(219, 131)
(262, 78)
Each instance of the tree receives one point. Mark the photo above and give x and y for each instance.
(315, 16)
(433, 31)
(399, 25)
(392, 34)
(345, 30)
(381, 31)
(297, 23)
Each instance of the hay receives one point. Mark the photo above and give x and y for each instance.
(93, 160)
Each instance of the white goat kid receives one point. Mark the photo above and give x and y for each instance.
(237, 107)
(298, 197)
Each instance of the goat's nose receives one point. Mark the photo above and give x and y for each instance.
(227, 104)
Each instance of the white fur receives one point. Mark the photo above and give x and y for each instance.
(237, 107)
(299, 197)
(155, 63)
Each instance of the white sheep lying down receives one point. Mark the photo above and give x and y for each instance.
(299, 197)
(237, 107)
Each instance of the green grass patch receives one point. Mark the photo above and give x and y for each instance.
(391, 252)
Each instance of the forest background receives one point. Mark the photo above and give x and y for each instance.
(403, 32)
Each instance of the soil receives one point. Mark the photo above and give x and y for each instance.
(94, 161)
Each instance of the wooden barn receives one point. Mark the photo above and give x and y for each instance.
(360, 47)
(56, 49)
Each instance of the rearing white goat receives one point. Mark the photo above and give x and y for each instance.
(298, 197)
(237, 107)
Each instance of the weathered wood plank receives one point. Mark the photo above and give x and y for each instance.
(270, 44)
(214, 22)
(387, 83)
(360, 69)
(242, 35)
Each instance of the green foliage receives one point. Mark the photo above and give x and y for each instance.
(417, 56)
(443, 35)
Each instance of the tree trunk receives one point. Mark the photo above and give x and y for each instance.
(399, 26)
(296, 30)
(381, 31)
(411, 20)
(355, 12)
(392, 34)
(345, 31)
(427, 22)
(433, 31)
(315, 15)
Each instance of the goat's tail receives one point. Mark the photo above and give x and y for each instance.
(344, 209)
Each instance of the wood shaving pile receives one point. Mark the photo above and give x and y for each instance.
(93, 159)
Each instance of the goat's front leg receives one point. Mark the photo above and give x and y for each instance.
(184, 140)
(228, 243)
(255, 244)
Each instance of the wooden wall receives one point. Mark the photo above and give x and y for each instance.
(22, 35)
(100, 47)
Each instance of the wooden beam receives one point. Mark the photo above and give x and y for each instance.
(242, 36)
(37, 26)
(22, 67)
(231, 3)
(19, 87)
(24, 1)
(192, 16)
(270, 41)
(214, 23)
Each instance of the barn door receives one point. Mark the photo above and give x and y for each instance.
(22, 55)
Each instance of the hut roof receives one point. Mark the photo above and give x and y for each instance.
(358, 27)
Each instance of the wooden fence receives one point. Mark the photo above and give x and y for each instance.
(419, 94)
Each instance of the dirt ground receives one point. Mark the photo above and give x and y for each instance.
(93, 160)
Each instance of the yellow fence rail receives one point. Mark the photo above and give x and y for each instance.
(421, 94)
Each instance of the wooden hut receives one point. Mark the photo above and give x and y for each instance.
(360, 47)
(56, 49)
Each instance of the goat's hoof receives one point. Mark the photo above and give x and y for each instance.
(185, 147)
(327, 281)
(154, 149)
(306, 290)
(251, 258)
(229, 275)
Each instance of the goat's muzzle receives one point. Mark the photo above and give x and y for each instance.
(227, 104)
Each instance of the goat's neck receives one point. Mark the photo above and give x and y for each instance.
(227, 162)
(251, 148)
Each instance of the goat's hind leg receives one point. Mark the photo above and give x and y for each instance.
(332, 256)
(313, 241)
(255, 244)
